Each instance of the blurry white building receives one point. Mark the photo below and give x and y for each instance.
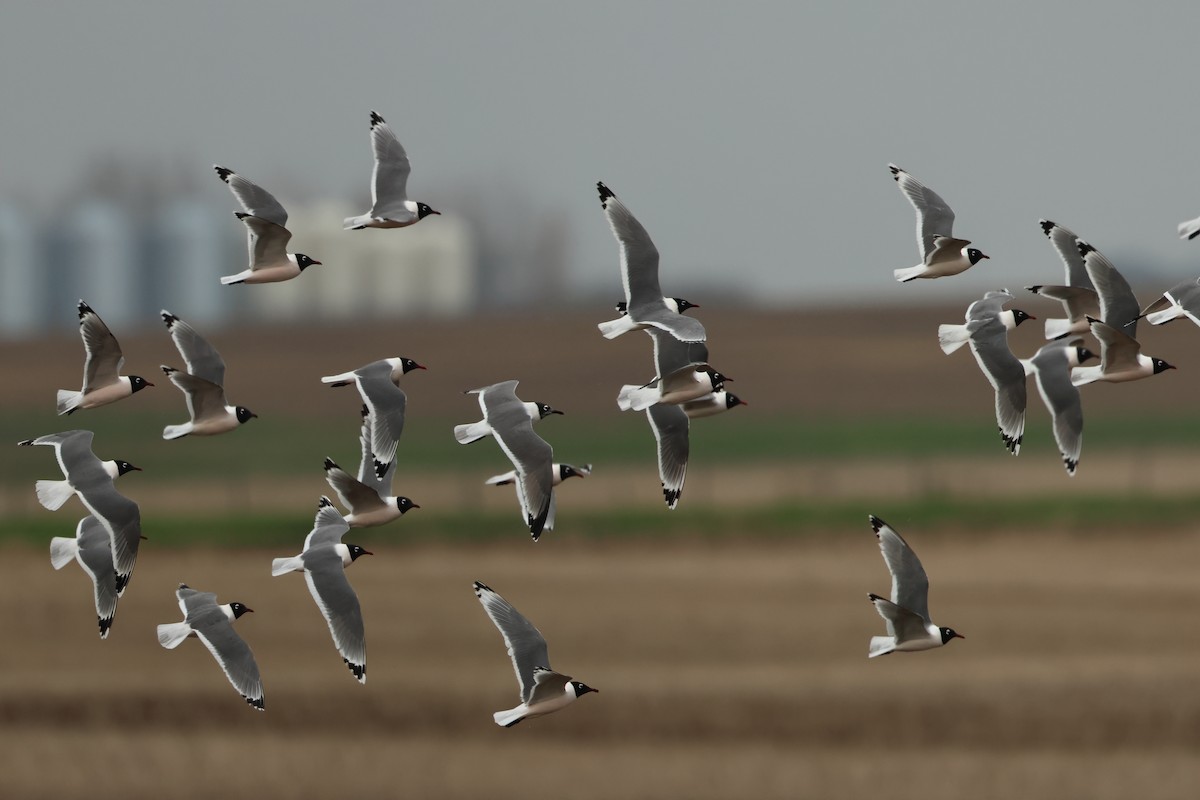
(23, 292)
(428, 268)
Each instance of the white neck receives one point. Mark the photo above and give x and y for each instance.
(111, 468)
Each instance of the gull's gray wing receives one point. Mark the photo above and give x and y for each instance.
(122, 520)
(369, 472)
(670, 426)
(934, 217)
(191, 600)
(989, 343)
(214, 628)
(672, 355)
(945, 248)
(103, 361)
(202, 358)
(205, 400)
(1061, 397)
(910, 586)
(1066, 244)
(1118, 350)
(526, 646)
(533, 458)
(266, 241)
(352, 492)
(387, 404)
(389, 178)
(255, 200)
(79, 465)
(639, 256)
(547, 684)
(1118, 306)
(328, 527)
(991, 304)
(1078, 301)
(902, 624)
(95, 556)
(327, 582)
(1189, 229)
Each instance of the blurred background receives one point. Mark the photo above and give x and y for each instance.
(728, 637)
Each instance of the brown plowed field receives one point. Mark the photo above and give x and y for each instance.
(724, 671)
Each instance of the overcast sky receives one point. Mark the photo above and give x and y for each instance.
(751, 140)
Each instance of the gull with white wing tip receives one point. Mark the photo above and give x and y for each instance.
(266, 235)
(941, 253)
(379, 385)
(92, 549)
(91, 480)
(102, 381)
(683, 374)
(543, 690)
(1052, 365)
(212, 624)
(510, 422)
(645, 305)
(390, 206)
(202, 385)
(368, 496)
(1078, 297)
(1181, 301)
(906, 614)
(987, 330)
(323, 562)
(1121, 358)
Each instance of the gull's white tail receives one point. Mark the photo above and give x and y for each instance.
(282, 566)
(172, 634)
(473, 432)
(1056, 327)
(52, 494)
(62, 551)
(501, 480)
(881, 646)
(241, 276)
(637, 398)
(908, 273)
(177, 431)
(68, 401)
(344, 379)
(511, 717)
(952, 337)
(614, 328)
(355, 223)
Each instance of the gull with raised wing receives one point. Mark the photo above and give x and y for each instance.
(266, 235)
(510, 422)
(102, 381)
(1121, 358)
(684, 374)
(92, 549)
(390, 206)
(92, 481)
(1118, 305)
(906, 614)
(1052, 365)
(645, 306)
(369, 496)
(203, 385)
(323, 562)
(543, 690)
(212, 623)
(941, 253)
(1077, 296)
(987, 330)
(379, 385)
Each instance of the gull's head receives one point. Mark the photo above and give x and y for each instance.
(424, 211)
(949, 633)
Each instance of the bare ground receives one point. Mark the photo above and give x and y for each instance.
(724, 671)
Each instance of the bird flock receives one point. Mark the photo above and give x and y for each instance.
(684, 387)
(106, 542)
